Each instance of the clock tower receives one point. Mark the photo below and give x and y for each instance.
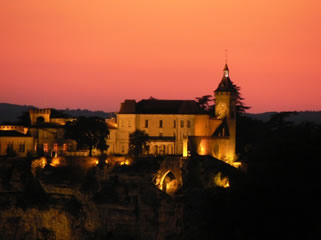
(225, 109)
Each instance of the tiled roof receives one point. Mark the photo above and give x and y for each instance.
(155, 106)
(12, 133)
(225, 85)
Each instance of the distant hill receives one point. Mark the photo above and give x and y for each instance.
(297, 117)
(11, 112)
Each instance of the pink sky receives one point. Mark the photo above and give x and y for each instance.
(94, 54)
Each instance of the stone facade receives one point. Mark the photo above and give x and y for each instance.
(177, 127)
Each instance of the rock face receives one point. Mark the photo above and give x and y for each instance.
(70, 204)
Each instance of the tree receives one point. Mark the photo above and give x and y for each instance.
(88, 132)
(138, 142)
(24, 119)
(240, 106)
(205, 102)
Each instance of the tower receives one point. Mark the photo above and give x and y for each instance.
(39, 115)
(225, 109)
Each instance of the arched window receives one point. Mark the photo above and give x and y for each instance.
(40, 120)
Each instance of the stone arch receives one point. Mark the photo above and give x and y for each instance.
(168, 182)
(40, 119)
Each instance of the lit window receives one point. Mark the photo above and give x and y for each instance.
(160, 123)
(146, 123)
(182, 123)
(64, 147)
(45, 147)
(55, 147)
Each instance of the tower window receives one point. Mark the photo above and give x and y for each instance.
(188, 123)
(182, 123)
(146, 123)
(160, 123)
(174, 126)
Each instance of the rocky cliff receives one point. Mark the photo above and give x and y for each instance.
(70, 203)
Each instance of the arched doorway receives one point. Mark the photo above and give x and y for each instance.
(169, 183)
(40, 120)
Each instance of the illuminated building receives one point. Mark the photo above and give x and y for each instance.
(174, 127)
(178, 127)
(15, 142)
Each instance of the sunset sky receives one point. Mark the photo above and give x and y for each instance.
(93, 54)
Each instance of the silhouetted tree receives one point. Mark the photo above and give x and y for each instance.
(138, 142)
(58, 114)
(240, 106)
(24, 119)
(205, 102)
(88, 133)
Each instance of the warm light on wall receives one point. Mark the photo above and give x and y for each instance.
(221, 181)
(203, 147)
(125, 162)
(55, 162)
(185, 150)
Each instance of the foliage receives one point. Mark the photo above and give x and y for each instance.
(24, 119)
(240, 106)
(88, 132)
(59, 114)
(138, 142)
(205, 102)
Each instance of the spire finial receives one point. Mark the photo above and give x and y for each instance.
(226, 72)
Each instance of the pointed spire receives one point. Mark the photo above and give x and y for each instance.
(226, 71)
(225, 85)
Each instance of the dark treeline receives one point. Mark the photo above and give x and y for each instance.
(278, 195)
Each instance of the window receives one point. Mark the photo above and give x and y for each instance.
(64, 147)
(146, 123)
(160, 134)
(22, 147)
(10, 145)
(122, 148)
(174, 126)
(160, 123)
(182, 123)
(188, 123)
(45, 147)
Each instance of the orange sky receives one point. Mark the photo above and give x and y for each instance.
(93, 54)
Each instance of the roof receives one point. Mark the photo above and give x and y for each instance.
(12, 133)
(155, 106)
(226, 84)
(47, 125)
